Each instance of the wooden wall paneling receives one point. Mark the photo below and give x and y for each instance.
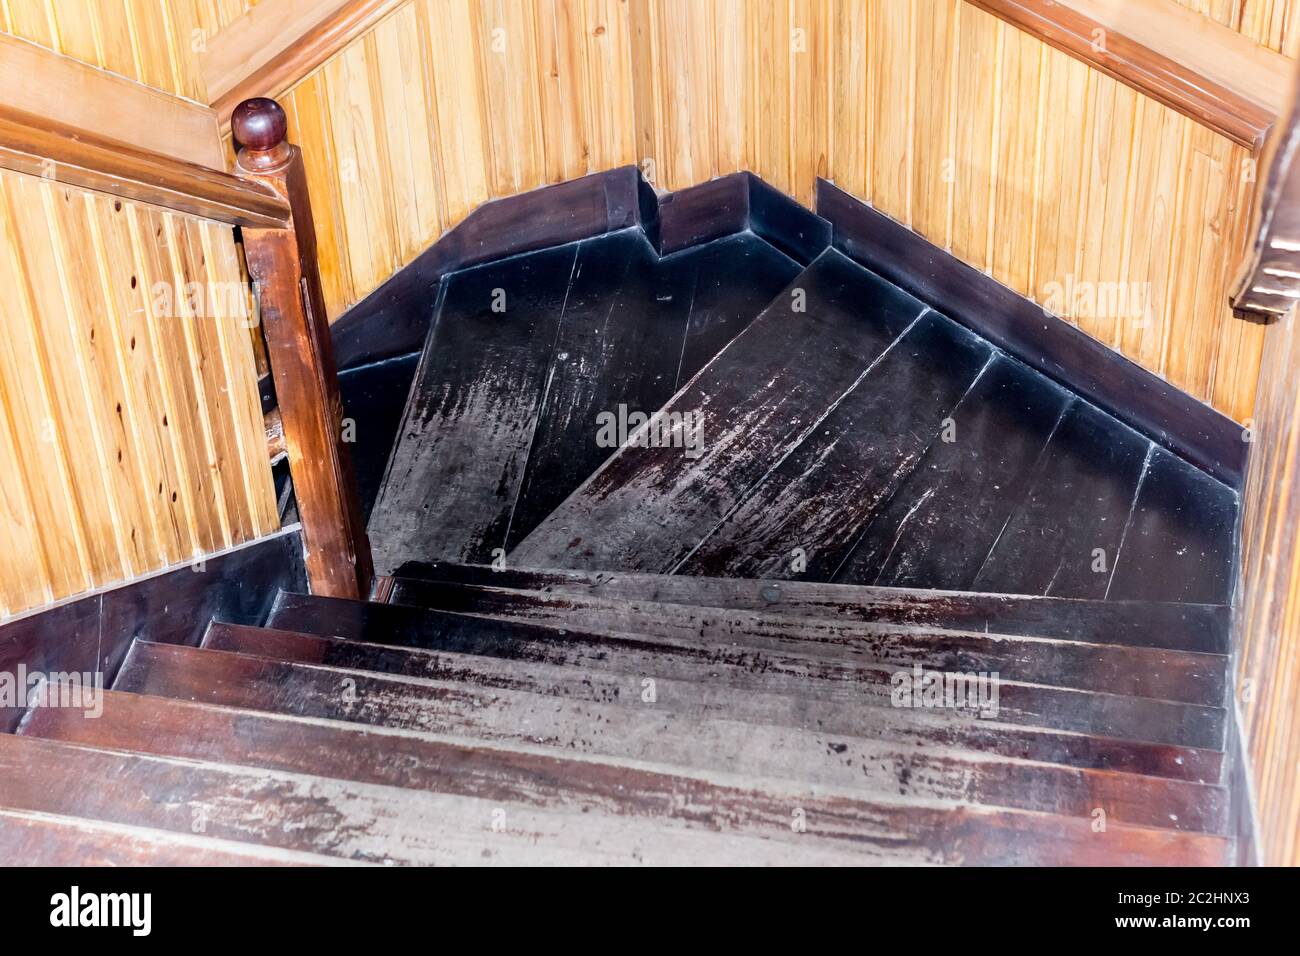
(769, 105)
(1239, 350)
(850, 104)
(609, 83)
(1152, 202)
(29, 404)
(30, 19)
(195, 312)
(977, 61)
(810, 72)
(1061, 204)
(729, 71)
(97, 353)
(199, 491)
(507, 39)
(226, 323)
(309, 128)
(24, 575)
(78, 423)
(363, 192)
(562, 62)
(124, 292)
(410, 175)
(646, 108)
(459, 112)
(891, 29)
(934, 81)
(1017, 144)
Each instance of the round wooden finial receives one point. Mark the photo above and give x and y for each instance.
(259, 124)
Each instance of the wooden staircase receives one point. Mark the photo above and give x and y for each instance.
(635, 730)
(627, 655)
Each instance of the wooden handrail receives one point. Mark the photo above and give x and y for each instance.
(1268, 282)
(282, 262)
(1181, 58)
(42, 147)
(277, 43)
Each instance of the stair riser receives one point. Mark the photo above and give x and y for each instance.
(1138, 672)
(1186, 627)
(854, 684)
(637, 731)
(711, 698)
(889, 832)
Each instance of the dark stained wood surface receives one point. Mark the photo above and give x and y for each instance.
(891, 830)
(1065, 537)
(647, 508)
(1189, 627)
(631, 729)
(38, 839)
(463, 444)
(503, 420)
(1142, 672)
(1181, 542)
(730, 654)
(703, 697)
(817, 501)
(92, 634)
(938, 528)
(1066, 354)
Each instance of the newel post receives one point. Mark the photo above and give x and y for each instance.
(283, 265)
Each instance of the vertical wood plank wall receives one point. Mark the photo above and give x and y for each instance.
(1113, 211)
(1268, 688)
(131, 431)
(1271, 23)
(150, 41)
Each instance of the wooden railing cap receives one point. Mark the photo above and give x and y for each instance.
(259, 126)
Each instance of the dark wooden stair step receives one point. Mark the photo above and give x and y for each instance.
(1156, 673)
(637, 730)
(706, 698)
(43, 839)
(646, 508)
(524, 353)
(791, 670)
(890, 830)
(355, 821)
(1186, 627)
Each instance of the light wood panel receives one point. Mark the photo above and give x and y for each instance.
(1268, 665)
(1271, 23)
(449, 103)
(1106, 207)
(154, 42)
(67, 91)
(130, 426)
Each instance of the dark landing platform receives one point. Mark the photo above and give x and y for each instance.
(850, 434)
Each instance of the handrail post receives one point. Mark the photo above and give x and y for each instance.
(283, 265)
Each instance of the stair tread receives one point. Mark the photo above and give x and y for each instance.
(1064, 539)
(705, 697)
(361, 822)
(647, 507)
(791, 668)
(44, 839)
(502, 416)
(1157, 673)
(818, 499)
(635, 730)
(889, 829)
(1179, 626)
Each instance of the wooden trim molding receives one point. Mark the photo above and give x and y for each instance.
(1204, 70)
(43, 147)
(1142, 400)
(62, 90)
(277, 43)
(1268, 282)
